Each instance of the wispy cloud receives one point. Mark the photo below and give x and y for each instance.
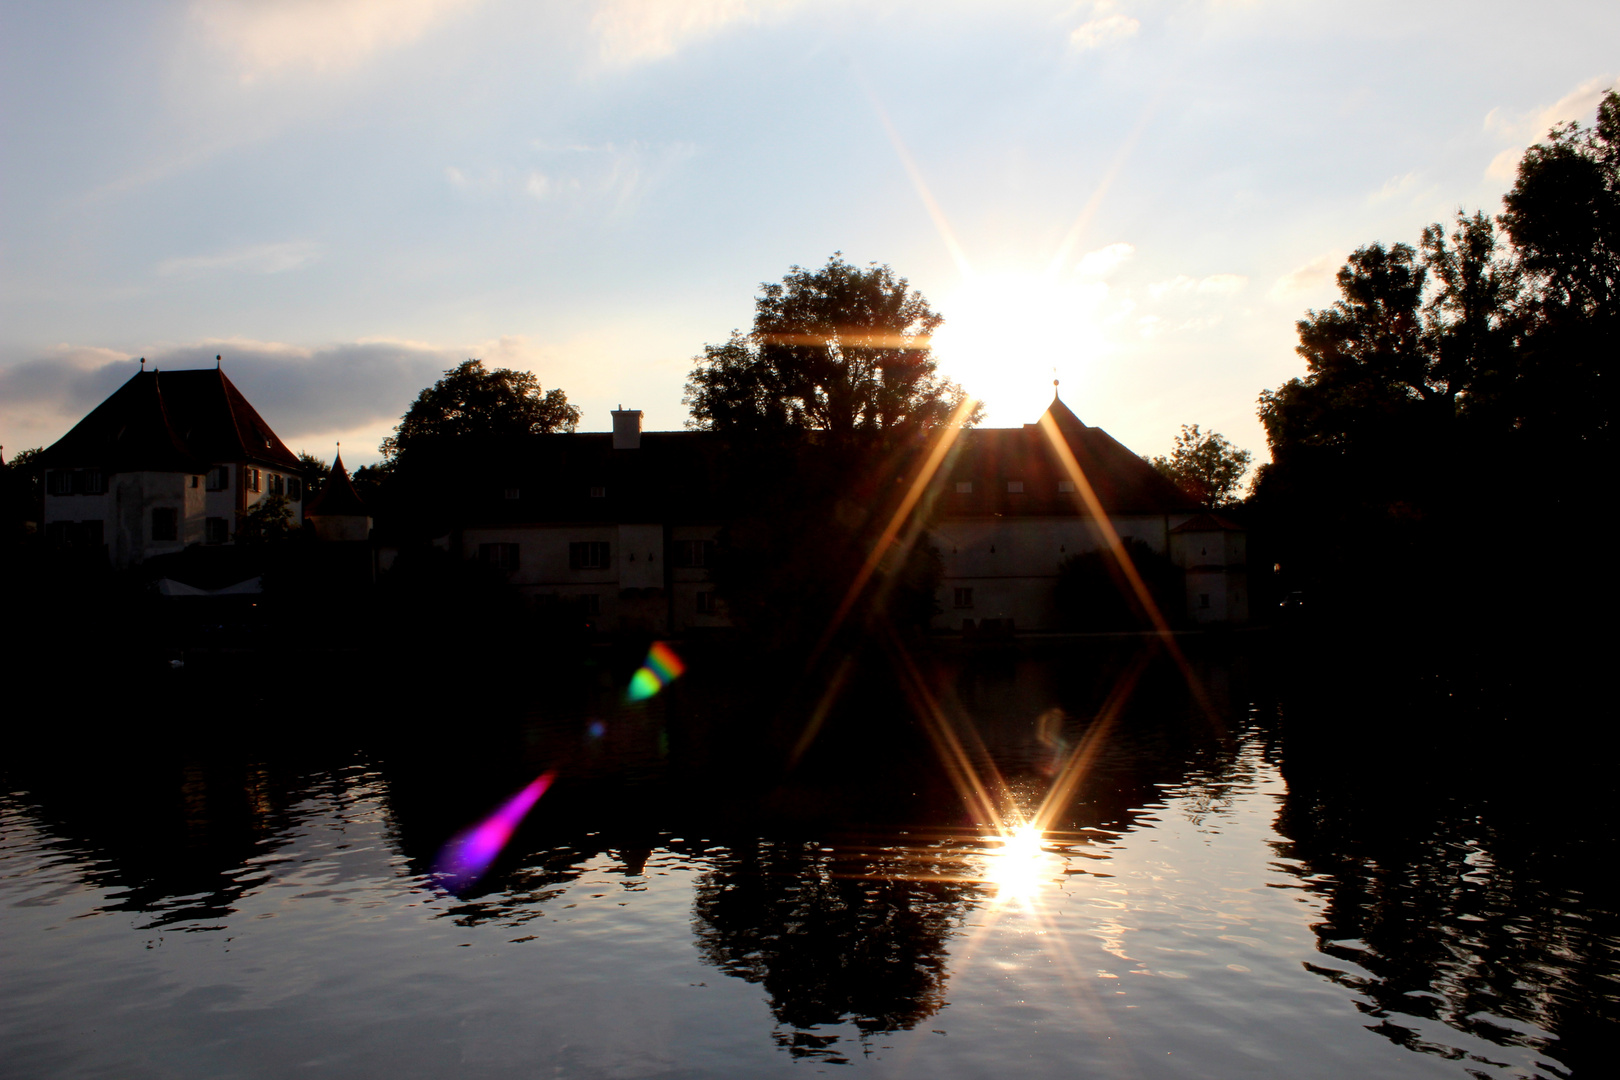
(1524, 128)
(634, 31)
(269, 36)
(615, 175)
(1106, 27)
(1213, 285)
(1104, 261)
(1396, 187)
(258, 259)
(1318, 274)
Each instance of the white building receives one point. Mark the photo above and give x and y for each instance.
(620, 528)
(170, 460)
(1009, 513)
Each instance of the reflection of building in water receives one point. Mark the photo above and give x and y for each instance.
(621, 529)
(845, 937)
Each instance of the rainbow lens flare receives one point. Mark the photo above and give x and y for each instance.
(662, 668)
(467, 856)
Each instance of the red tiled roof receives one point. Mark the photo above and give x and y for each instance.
(172, 421)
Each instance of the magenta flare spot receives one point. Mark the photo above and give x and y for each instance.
(467, 856)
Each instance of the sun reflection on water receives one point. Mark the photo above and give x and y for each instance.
(1018, 868)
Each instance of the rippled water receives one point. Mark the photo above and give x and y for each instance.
(1205, 903)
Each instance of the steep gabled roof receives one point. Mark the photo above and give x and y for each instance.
(171, 421)
(989, 458)
(1207, 523)
(338, 497)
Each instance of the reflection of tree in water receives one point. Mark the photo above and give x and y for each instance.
(1456, 893)
(834, 936)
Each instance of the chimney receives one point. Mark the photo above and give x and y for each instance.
(626, 429)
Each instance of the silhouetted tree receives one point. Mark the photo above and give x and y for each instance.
(1449, 377)
(826, 404)
(840, 349)
(473, 403)
(1204, 465)
(315, 473)
(1093, 593)
(22, 491)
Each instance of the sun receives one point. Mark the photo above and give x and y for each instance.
(1004, 334)
(1018, 868)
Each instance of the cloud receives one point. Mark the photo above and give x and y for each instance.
(634, 31)
(615, 175)
(1096, 33)
(1213, 285)
(1395, 187)
(355, 390)
(259, 259)
(268, 36)
(1318, 274)
(1524, 128)
(1104, 261)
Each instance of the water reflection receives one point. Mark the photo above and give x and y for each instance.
(864, 897)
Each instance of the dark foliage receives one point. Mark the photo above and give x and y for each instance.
(1094, 594)
(1448, 379)
(1205, 465)
(828, 406)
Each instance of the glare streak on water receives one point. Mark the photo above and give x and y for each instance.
(1182, 946)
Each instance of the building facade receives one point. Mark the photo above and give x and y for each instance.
(620, 529)
(172, 459)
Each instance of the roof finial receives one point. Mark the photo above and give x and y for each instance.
(216, 361)
(143, 363)
(1054, 383)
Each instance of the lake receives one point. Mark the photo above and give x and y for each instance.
(1087, 859)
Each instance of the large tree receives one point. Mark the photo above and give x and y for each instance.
(828, 405)
(1470, 372)
(841, 349)
(471, 403)
(1205, 465)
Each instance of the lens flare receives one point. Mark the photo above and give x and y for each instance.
(662, 668)
(1019, 868)
(467, 856)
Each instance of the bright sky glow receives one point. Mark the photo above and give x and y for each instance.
(346, 197)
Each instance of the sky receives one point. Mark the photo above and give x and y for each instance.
(344, 198)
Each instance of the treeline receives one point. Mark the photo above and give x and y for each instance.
(1448, 449)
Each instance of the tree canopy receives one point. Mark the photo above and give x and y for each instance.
(841, 349)
(1447, 376)
(1205, 465)
(472, 402)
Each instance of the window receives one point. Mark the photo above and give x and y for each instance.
(91, 533)
(165, 523)
(705, 603)
(964, 487)
(599, 492)
(1015, 487)
(589, 555)
(500, 556)
(694, 554)
(276, 485)
(295, 488)
(90, 482)
(216, 530)
(514, 493)
(196, 481)
(59, 482)
(219, 478)
(964, 598)
(253, 479)
(1066, 486)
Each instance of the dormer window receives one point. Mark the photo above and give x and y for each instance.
(964, 487)
(514, 493)
(1066, 486)
(1015, 487)
(598, 492)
